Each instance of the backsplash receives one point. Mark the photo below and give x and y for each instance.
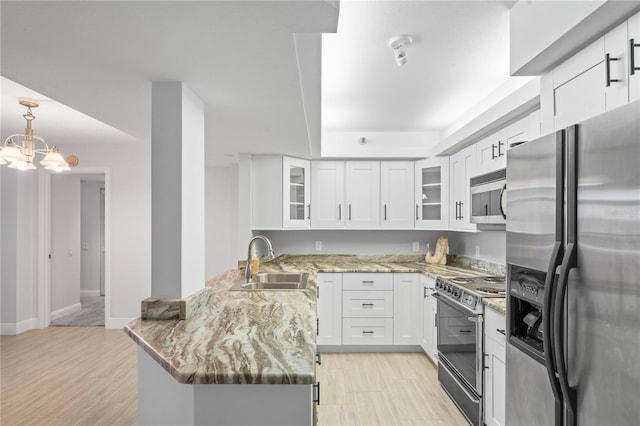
(481, 265)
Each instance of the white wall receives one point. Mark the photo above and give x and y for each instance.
(90, 237)
(18, 236)
(65, 244)
(221, 219)
(493, 245)
(128, 215)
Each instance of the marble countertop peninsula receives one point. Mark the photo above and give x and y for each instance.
(256, 337)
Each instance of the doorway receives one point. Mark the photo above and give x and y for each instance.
(78, 289)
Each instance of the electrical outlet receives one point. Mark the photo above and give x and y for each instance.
(318, 245)
(477, 252)
(416, 246)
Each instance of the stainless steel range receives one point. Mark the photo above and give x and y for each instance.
(460, 339)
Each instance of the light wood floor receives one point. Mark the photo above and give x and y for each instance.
(382, 389)
(68, 376)
(87, 376)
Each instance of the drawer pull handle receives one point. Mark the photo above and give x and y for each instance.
(503, 332)
(465, 331)
(367, 282)
(367, 332)
(367, 304)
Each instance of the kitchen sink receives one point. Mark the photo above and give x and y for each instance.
(276, 281)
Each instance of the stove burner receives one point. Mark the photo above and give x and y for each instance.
(494, 279)
(491, 290)
(462, 280)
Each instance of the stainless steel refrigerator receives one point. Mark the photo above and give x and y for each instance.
(573, 256)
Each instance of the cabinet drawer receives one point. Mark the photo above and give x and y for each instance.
(372, 281)
(367, 331)
(493, 321)
(364, 304)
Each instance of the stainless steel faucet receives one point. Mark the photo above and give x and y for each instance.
(249, 268)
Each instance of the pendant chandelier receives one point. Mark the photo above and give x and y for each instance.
(20, 149)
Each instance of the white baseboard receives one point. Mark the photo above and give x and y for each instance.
(71, 309)
(20, 327)
(117, 322)
(89, 293)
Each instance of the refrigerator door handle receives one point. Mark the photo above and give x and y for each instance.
(547, 336)
(568, 393)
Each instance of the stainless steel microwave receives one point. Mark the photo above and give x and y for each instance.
(489, 198)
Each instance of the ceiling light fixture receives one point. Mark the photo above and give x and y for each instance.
(20, 148)
(399, 45)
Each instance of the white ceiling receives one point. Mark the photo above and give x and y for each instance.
(256, 66)
(459, 55)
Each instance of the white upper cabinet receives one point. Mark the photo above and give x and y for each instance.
(462, 167)
(634, 53)
(616, 45)
(598, 78)
(396, 194)
(327, 194)
(296, 192)
(432, 193)
(491, 153)
(362, 194)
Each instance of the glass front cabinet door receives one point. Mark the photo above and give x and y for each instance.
(296, 193)
(432, 193)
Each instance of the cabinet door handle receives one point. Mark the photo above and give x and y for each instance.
(424, 292)
(500, 145)
(309, 211)
(417, 218)
(349, 211)
(632, 56)
(461, 217)
(493, 152)
(318, 359)
(317, 398)
(607, 68)
(339, 211)
(385, 212)
(456, 210)
(503, 332)
(317, 326)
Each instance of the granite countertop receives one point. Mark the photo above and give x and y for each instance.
(498, 304)
(258, 337)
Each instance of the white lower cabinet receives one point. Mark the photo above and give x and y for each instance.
(407, 308)
(329, 309)
(367, 309)
(429, 321)
(377, 309)
(494, 368)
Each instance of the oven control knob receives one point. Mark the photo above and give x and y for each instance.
(455, 293)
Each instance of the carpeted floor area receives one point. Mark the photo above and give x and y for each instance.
(92, 314)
